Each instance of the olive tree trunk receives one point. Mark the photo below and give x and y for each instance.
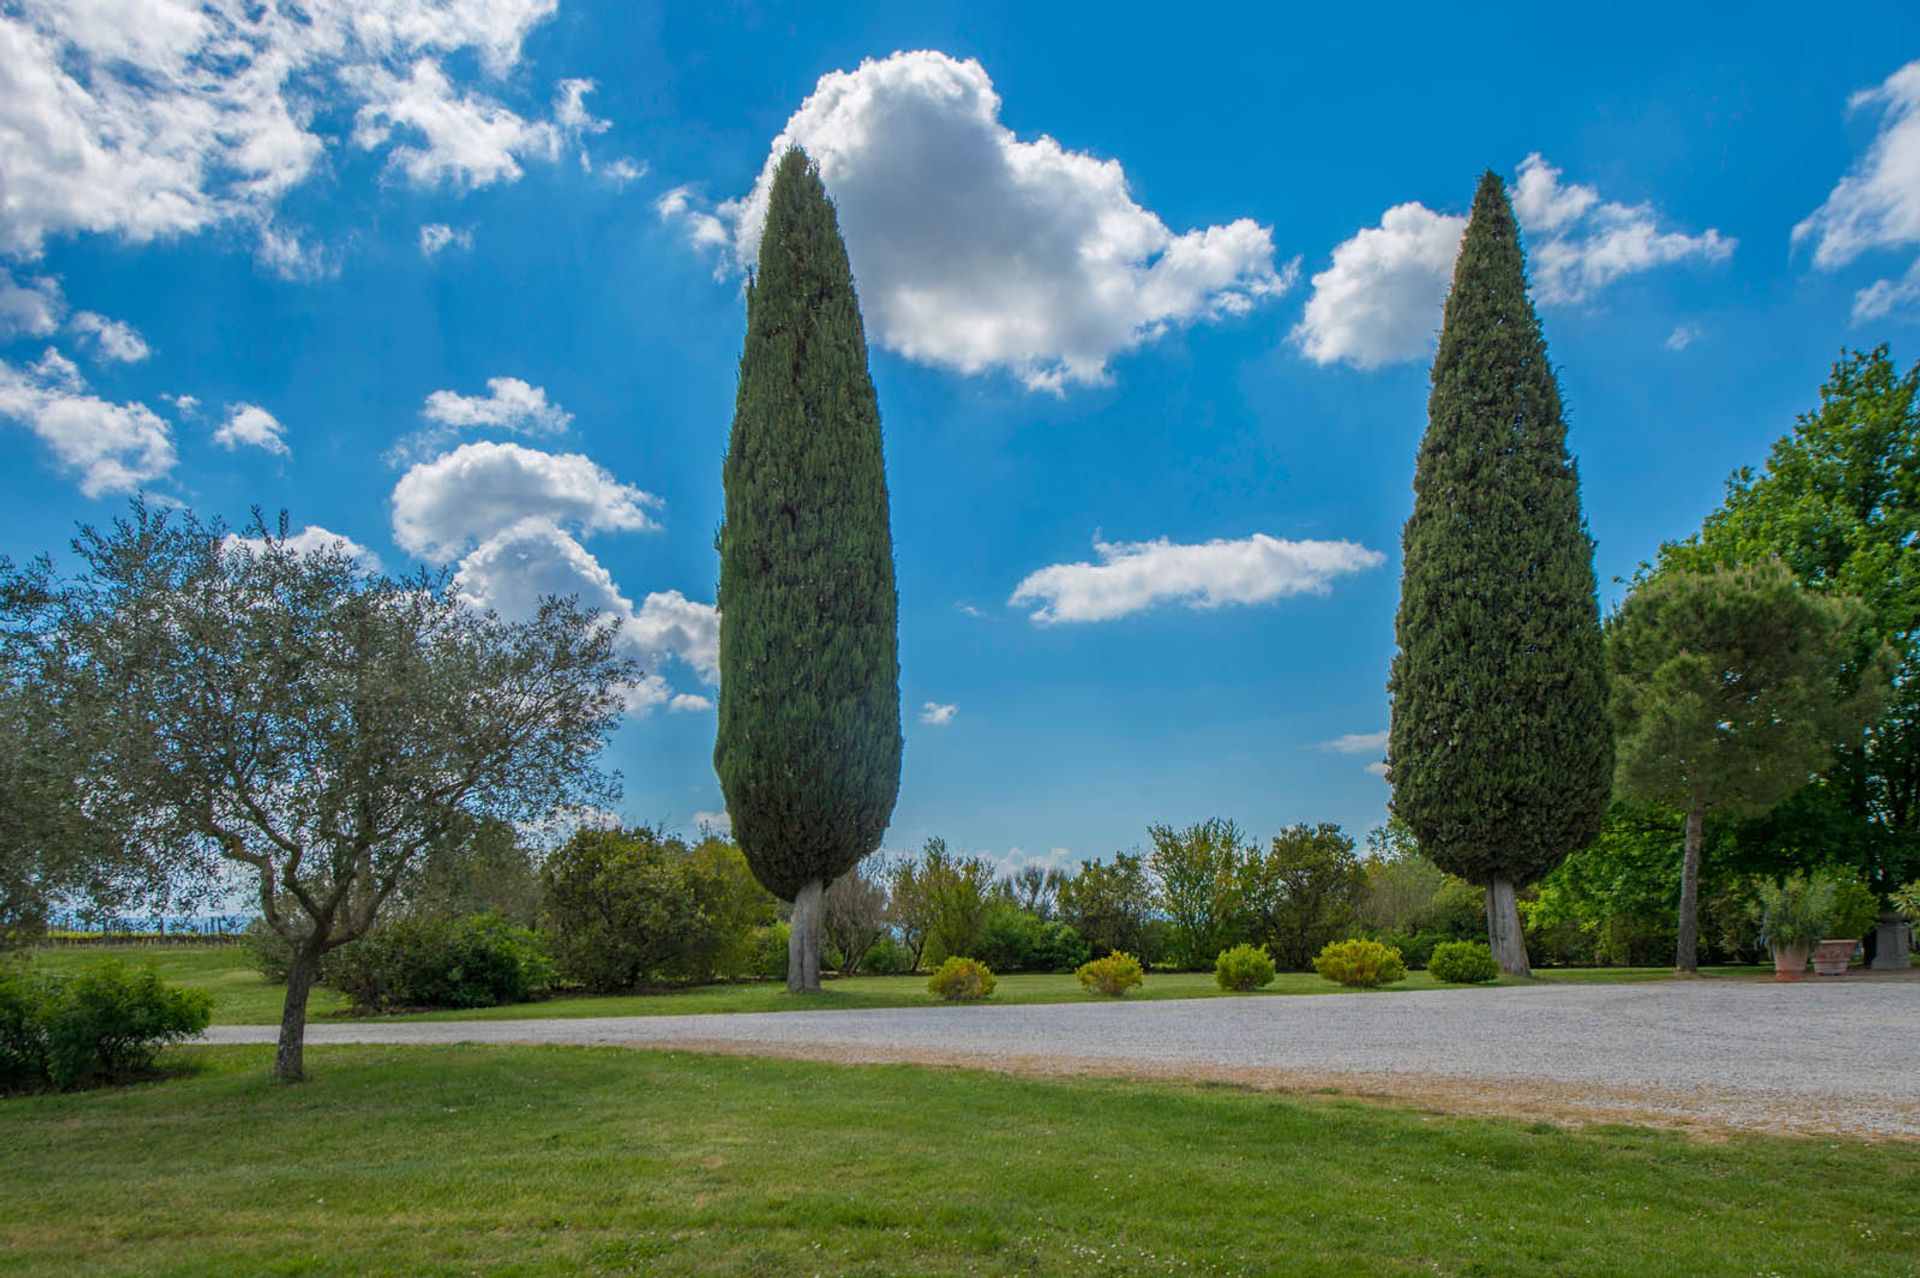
(1687, 950)
(803, 941)
(1503, 929)
(289, 1064)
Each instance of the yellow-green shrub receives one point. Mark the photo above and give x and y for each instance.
(1361, 964)
(961, 980)
(1463, 963)
(1244, 967)
(1113, 975)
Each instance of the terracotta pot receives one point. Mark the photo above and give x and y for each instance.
(1789, 964)
(1830, 958)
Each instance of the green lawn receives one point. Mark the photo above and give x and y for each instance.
(538, 1160)
(244, 998)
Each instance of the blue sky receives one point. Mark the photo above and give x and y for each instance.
(1150, 304)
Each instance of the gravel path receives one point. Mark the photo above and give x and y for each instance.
(1835, 1057)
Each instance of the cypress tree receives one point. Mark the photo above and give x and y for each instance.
(808, 751)
(1500, 754)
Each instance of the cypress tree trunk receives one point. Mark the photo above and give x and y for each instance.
(1687, 951)
(289, 1063)
(808, 748)
(1504, 937)
(1501, 752)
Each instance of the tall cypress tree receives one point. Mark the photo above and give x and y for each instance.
(1500, 753)
(808, 750)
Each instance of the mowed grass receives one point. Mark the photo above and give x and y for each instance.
(243, 997)
(556, 1160)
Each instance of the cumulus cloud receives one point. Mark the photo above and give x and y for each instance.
(935, 713)
(509, 404)
(975, 249)
(165, 117)
(1357, 743)
(444, 506)
(1133, 576)
(1876, 207)
(113, 448)
(314, 538)
(115, 341)
(437, 236)
(29, 308)
(251, 426)
(1380, 299)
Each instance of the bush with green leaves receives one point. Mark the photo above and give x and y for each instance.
(961, 980)
(887, 958)
(1463, 963)
(103, 1023)
(1794, 911)
(1856, 910)
(1360, 964)
(1907, 901)
(1017, 940)
(479, 961)
(1244, 967)
(1113, 975)
(769, 945)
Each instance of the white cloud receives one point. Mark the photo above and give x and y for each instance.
(444, 506)
(509, 404)
(1378, 768)
(974, 249)
(935, 713)
(251, 426)
(435, 236)
(1380, 300)
(312, 538)
(968, 610)
(114, 340)
(114, 448)
(188, 405)
(1876, 207)
(621, 170)
(1683, 336)
(1357, 742)
(29, 308)
(145, 119)
(1132, 576)
(717, 822)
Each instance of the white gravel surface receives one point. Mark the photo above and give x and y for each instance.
(1841, 1056)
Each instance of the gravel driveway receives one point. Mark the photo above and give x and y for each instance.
(1841, 1056)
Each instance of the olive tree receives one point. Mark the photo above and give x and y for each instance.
(246, 704)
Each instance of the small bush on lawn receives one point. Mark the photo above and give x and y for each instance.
(1016, 940)
(1244, 967)
(770, 951)
(1361, 964)
(481, 961)
(961, 980)
(1113, 975)
(103, 1023)
(1463, 963)
(887, 958)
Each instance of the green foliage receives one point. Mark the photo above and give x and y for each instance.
(103, 1023)
(808, 750)
(1244, 967)
(1732, 685)
(1907, 900)
(1360, 964)
(632, 907)
(942, 901)
(887, 958)
(1463, 963)
(1499, 752)
(961, 980)
(1856, 910)
(482, 866)
(1303, 892)
(1837, 501)
(1017, 940)
(1198, 887)
(1106, 902)
(769, 951)
(1796, 910)
(425, 962)
(1112, 975)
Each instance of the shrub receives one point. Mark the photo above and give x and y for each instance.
(961, 980)
(770, 951)
(1361, 964)
(267, 950)
(1113, 975)
(1017, 940)
(1244, 967)
(1856, 910)
(481, 961)
(887, 958)
(1795, 911)
(103, 1023)
(1463, 963)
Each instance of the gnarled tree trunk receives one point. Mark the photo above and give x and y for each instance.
(1503, 929)
(1687, 951)
(289, 1064)
(803, 942)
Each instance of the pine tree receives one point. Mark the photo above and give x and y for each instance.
(808, 751)
(1500, 753)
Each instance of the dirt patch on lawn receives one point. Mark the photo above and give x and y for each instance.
(1711, 1117)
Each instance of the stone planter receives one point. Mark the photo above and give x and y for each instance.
(1789, 964)
(1830, 958)
(1894, 941)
